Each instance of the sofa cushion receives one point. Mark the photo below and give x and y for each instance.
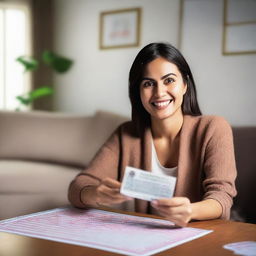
(54, 137)
(27, 187)
(24, 177)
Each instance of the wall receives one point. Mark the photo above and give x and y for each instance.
(99, 78)
(225, 84)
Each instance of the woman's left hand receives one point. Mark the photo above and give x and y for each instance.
(176, 209)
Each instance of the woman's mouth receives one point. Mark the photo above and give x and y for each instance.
(161, 104)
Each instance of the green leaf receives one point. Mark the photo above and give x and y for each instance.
(28, 98)
(41, 92)
(59, 63)
(24, 100)
(48, 57)
(29, 63)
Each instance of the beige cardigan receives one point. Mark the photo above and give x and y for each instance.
(206, 165)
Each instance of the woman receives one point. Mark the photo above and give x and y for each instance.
(167, 128)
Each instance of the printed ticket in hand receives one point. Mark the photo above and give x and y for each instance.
(146, 185)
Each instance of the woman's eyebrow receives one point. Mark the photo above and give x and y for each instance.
(163, 77)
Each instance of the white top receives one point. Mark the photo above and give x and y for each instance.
(157, 168)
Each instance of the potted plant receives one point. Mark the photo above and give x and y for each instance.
(56, 62)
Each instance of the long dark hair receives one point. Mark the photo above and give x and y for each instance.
(170, 53)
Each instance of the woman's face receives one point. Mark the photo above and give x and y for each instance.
(162, 89)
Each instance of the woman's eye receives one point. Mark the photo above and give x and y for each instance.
(169, 80)
(148, 84)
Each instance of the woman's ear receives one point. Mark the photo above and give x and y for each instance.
(185, 89)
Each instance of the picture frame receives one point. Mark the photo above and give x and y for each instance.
(239, 27)
(120, 28)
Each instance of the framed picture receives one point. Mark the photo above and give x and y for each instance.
(120, 28)
(239, 27)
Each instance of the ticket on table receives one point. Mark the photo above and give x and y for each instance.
(145, 185)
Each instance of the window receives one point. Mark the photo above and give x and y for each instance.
(14, 42)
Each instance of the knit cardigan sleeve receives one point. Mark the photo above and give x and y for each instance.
(219, 165)
(104, 164)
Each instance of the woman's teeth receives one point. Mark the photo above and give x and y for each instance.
(162, 103)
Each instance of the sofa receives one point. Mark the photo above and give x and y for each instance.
(41, 152)
(245, 152)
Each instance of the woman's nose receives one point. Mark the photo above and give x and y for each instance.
(160, 90)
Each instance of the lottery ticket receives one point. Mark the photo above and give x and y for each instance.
(145, 185)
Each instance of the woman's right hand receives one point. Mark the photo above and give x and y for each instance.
(105, 194)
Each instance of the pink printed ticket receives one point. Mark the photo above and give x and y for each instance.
(114, 232)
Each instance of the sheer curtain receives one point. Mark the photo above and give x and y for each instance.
(15, 41)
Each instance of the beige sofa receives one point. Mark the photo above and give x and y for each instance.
(41, 152)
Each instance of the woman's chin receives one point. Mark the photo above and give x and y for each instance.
(162, 116)
(167, 114)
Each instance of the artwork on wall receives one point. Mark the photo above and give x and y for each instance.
(120, 28)
(239, 27)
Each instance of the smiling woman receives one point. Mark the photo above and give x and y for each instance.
(162, 92)
(169, 136)
(164, 58)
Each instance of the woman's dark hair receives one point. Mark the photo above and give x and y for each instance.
(170, 53)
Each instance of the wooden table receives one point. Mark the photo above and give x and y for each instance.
(209, 245)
